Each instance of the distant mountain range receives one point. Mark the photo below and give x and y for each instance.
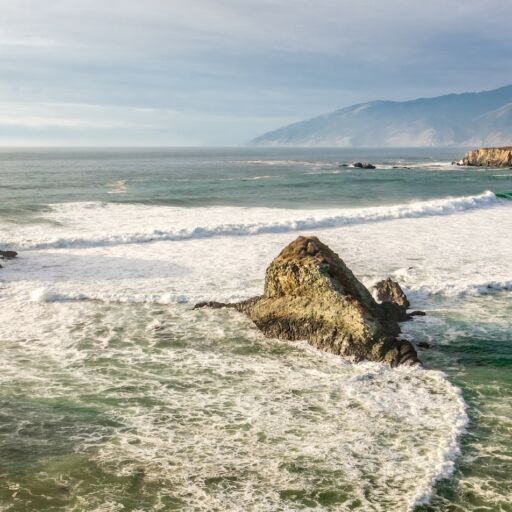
(468, 119)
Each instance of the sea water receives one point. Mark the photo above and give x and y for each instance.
(115, 395)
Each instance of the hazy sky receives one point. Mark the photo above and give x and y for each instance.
(201, 72)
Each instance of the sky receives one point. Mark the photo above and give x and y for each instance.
(221, 72)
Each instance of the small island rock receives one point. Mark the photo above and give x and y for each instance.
(361, 165)
(489, 157)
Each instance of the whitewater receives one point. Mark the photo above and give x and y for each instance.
(112, 224)
(117, 395)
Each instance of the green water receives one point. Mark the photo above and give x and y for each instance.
(478, 357)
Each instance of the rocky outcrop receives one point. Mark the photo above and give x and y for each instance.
(489, 157)
(390, 292)
(310, 294)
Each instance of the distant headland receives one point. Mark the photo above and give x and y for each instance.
(454, 120)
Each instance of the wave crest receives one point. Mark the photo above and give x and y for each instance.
(213, 222)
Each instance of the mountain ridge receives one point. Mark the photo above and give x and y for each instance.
(455, 119)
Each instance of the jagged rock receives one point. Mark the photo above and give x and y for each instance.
(311, 294)
(389, 291)
(489, 157)
(8, 255)
(423, 344)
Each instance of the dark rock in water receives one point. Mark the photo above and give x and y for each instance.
(8, 255)
(311, 294)
(417, 313)
(423, 344)
(343, 165)
(361, 165)
(390, 292)
(212, 304)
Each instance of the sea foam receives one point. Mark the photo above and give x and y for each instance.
(215, 416)
(108, 224)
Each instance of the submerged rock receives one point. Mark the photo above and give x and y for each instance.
(310, 294)
(489, 157)
(8, 255)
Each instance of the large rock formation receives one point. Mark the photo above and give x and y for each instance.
(489, 157)
(310, 294)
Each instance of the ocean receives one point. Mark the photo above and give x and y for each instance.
(117, 396)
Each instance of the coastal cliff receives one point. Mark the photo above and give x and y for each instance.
(310, 294)
(489, 157)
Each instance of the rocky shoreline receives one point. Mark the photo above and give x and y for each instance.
(310, 294)
(489, 157)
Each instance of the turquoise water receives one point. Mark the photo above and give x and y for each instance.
(117, 396)
(291, 178)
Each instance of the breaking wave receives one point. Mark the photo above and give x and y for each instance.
(87, 224)
(464, 289)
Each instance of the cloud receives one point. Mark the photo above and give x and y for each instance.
(54, 124)
(232, 68)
